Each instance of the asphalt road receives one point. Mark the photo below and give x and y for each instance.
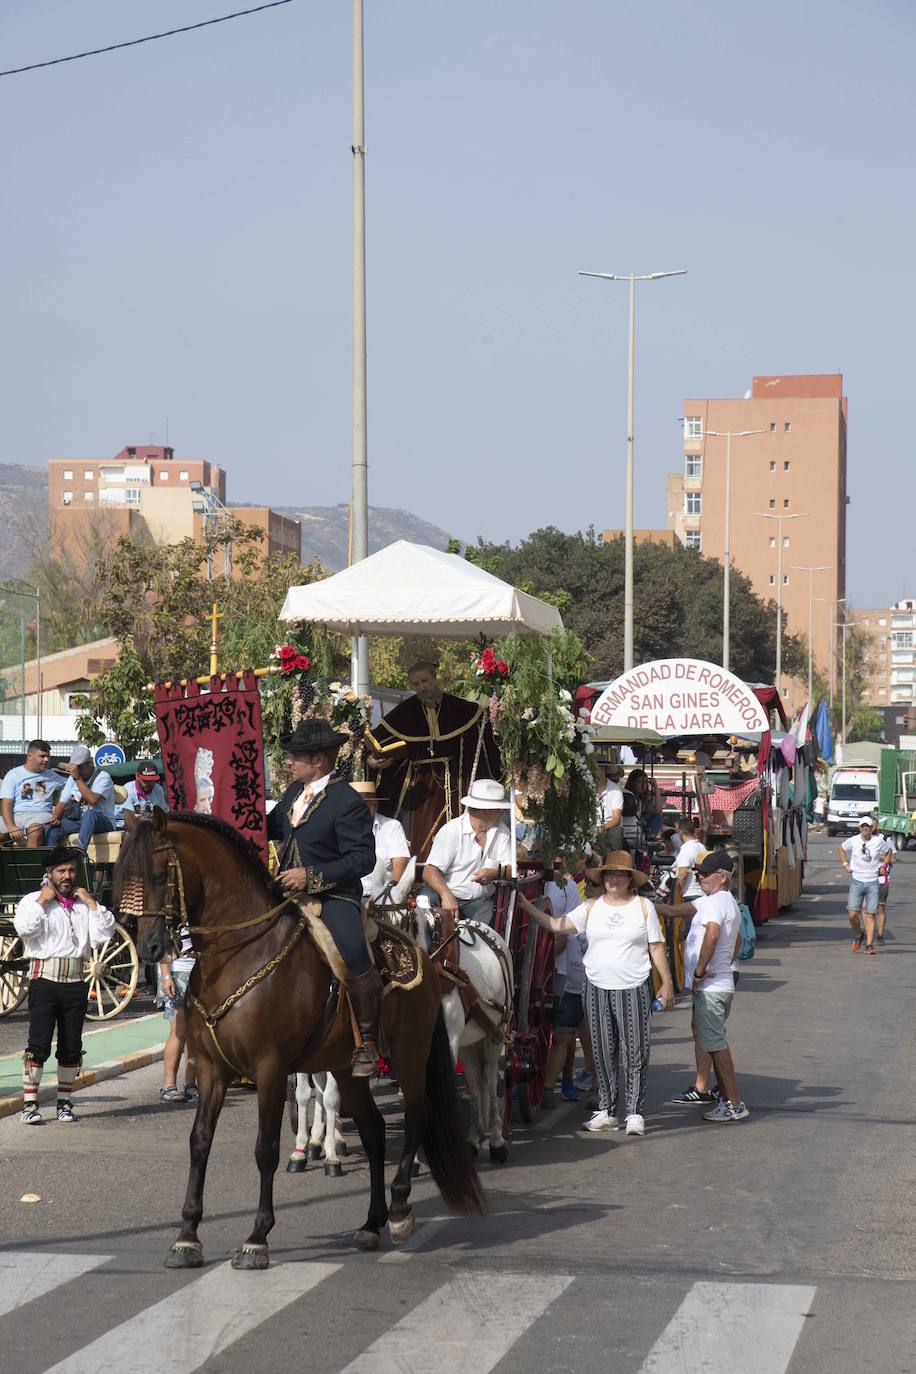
(785, 1242)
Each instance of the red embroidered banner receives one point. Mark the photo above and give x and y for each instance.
(213, 753)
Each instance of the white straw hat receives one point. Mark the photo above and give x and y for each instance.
(486, 794)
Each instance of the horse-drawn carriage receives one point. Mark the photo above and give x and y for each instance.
(113, 970)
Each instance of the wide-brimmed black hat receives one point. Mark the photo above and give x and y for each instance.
(312, 737)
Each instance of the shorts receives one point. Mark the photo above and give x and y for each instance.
(26, 818)
(571, 1013)
(884, 891)
(170, 1005)
(710, 1013)
(862, 895)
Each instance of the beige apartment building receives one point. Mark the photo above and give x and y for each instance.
(144, 489)
(792, 466)
(892, 654)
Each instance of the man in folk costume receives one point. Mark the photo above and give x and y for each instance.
(433, 746)
(60, 924)
(323, 834)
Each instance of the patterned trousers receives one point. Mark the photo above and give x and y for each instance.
(619, 1022)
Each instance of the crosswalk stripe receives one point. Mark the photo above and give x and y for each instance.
(753, 1326)
(467, 1324)
(29, 1274)
(199, 1321)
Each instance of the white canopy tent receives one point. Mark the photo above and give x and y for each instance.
(412, 589)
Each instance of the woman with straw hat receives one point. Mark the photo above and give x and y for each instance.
(624, 941)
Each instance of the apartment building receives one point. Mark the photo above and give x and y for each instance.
(892, 654)
(788, 492)
(145, 490)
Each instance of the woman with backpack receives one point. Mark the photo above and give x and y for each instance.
(625, 940)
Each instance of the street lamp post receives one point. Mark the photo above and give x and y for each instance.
(811, 569)
(15, 588)
(728, 435)
(632, 278)
(779, 517)
(360, 459)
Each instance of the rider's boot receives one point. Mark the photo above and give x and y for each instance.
(365, 993)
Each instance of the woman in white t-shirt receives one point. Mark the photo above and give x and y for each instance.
(624, 941)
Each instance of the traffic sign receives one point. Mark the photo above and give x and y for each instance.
(108, 753)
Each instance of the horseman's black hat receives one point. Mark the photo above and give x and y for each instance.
(312, 737)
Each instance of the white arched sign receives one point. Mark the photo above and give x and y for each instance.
(681, 696)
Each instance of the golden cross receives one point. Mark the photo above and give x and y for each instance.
(215, 616)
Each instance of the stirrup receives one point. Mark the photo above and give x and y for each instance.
(364, 1063)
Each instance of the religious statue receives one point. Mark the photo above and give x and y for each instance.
(429, 748)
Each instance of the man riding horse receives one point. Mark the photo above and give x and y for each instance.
(323, 834)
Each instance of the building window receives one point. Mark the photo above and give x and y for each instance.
(785, 579)
(693, 427)
(902, 639)
(787, 426)
(772, 503)
(785, 542)
(693, 465)
(772, 467)
(785, 466)
(772, 426)
(67, 497)
(785, 504)
(772, 541)
(163, 477)
(183, 476)
(772, 580)
(693, 539)
(68, 474)
(88, 495)
(88, 475)
(693, 503)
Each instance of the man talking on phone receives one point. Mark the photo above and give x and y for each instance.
(60, 924)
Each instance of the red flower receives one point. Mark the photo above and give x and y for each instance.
(287, 653)
(488, 661)
(287, 666)
(502, 668)
(302, 663)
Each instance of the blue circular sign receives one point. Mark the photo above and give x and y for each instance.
(109, 753)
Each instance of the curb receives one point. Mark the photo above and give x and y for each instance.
(141, 1059)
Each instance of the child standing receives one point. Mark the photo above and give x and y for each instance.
(173, 985)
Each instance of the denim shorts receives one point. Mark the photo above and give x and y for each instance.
(862, 894)
(571, 1012)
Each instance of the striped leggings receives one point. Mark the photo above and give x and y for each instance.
(619, 1023)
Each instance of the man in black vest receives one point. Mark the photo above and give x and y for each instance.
(323, 834)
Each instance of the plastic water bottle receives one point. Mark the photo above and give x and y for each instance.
(657, 1004)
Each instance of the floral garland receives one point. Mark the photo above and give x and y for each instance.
(298, 693)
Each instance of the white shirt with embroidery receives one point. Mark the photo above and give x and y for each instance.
(53, 932)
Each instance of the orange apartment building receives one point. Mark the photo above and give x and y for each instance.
(145, 490)
(793, 466)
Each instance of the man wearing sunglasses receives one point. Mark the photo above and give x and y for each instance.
(862, 859)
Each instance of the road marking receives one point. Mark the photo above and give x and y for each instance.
(29, 1274)
(476, 1318)
(759, 1323)
(198, 1322)
(424, 1232)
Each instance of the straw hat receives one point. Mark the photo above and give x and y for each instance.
(365, 789)
(619, 861)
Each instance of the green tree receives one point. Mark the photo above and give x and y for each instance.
(119, 707)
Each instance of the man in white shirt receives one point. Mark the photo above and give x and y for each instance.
(25, 795)
(91, 790)
(144, 792)
(610, 806)
(690, 853)
(390, 841)
(60, 924)
(708, 954)
(467, 854)
(862, 859)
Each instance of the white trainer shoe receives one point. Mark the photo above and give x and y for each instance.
(727, 1111)
(636, 1125)
(600, 1121)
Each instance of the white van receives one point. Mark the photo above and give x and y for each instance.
(853, 794)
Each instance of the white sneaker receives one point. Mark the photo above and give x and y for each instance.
(600, 1121)
(31, 1116)
(727, 1111)
(636, 1125)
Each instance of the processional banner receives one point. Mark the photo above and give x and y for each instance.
(213, 753)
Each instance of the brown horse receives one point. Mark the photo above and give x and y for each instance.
(249, 941)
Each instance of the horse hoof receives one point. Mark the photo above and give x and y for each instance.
(400, 1230)
(332, 1169)
(185, 1254)
(313, 1153)
(499, 1154)
(296, 1164)
(251, 1257)
(367, 1240)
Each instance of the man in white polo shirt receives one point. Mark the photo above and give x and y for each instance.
(390, 840)
(468, 853)
(863, 859)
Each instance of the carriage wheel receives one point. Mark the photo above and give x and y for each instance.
(535, 988)
(112, 975)
(13, 982)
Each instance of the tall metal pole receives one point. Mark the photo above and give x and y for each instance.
(843, 730)
(726, 555)
(779, 605)
(811, 569)
(22, 675)
(38, 658)
(360, 473)
(628, 541)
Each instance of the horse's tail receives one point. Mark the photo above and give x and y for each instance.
(444, 1142)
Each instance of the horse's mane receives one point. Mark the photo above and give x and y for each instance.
(135, 858)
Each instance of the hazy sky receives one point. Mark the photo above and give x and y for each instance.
(175, 222)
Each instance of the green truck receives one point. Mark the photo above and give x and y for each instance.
(897, 795)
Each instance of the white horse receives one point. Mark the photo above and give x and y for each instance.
(325, 1137)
